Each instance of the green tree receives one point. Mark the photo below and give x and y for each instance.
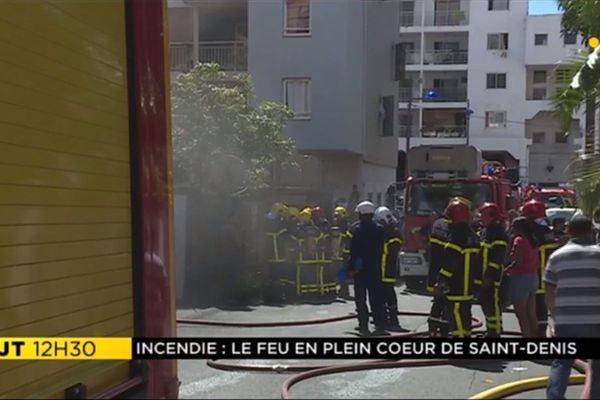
(581, 17)
(213, 116)
(582, 89)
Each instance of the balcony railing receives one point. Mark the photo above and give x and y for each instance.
(448, 131)
(404, 130)
(445, 95)
(447, 18)
(407, 18)
(446, 57)
(231, 56)
(181, 56)
(405, 93)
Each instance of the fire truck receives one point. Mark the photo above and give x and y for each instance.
(438, 173)
(553, 197)
(87, 219)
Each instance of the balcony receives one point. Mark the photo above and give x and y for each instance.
(446, 57)
(413, 57)
(404, 130)
(445, 95)
(231, 56)
(448, 131)
(406, 93)
(447, 18)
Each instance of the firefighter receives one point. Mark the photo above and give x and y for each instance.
(340, 247)
(366, 250)
(535, 212)
(460, 268)
(327, 272)
(389, 266)
(494, 244)
(308, 262)
(291, 248)
(438, 237)
(275, 230)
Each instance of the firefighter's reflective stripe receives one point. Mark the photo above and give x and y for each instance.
(460, 329)
(384, 257)
(445, 273)
(496, 322)
(434, 240)
(543, 249)
(494, 265)
(467, 253)
(275, 241)
(346, 250)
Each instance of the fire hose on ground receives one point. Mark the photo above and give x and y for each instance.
(305, 372)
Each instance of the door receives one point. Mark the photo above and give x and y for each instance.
(66, 265)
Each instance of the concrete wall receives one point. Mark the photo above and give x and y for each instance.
(332, 57)
(556, 50)
(380, 26)
(550, 153)
(180, 24)
(483, 61)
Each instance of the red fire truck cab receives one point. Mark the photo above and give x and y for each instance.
(438, 173)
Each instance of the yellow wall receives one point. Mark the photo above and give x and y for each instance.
(65, 234)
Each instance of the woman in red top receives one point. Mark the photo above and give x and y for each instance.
(524, 278)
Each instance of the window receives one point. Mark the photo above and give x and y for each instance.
(570, 38)
(496, 5)
(495, 119)
(496, 81)
(386, 113)
(296, 95)
(541, 39)
(497, 41)
(562, 76)
(561, 137)
(539, 76)
(297, 17)
(407, 13)
(538, 137)
(539, 94)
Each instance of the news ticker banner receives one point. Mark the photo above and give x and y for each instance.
(126, 348)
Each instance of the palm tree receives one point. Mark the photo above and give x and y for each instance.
(583, 91)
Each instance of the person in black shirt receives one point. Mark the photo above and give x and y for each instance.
(366, 251)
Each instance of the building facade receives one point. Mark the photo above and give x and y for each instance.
(483, 73)
(338, 78)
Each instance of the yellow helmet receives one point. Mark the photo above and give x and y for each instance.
(305, 215)
(293, 212)
(462, 200)
(340, 212)
(279, 209)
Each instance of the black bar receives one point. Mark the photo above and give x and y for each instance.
(357, 348)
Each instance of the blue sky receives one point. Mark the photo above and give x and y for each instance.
(543, 7)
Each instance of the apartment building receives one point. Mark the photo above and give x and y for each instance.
(331, 61)
(482, 72)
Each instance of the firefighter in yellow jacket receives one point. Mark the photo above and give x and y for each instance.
(340, 246)
(461, 267)
(275, 243)
(389, 266)
(494, 243)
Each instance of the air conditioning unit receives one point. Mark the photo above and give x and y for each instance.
(504, 54)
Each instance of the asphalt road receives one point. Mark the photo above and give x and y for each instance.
(453, 382)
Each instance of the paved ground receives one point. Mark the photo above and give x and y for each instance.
(200, 381)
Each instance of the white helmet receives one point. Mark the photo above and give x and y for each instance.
(384, 216)
(366, 207)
